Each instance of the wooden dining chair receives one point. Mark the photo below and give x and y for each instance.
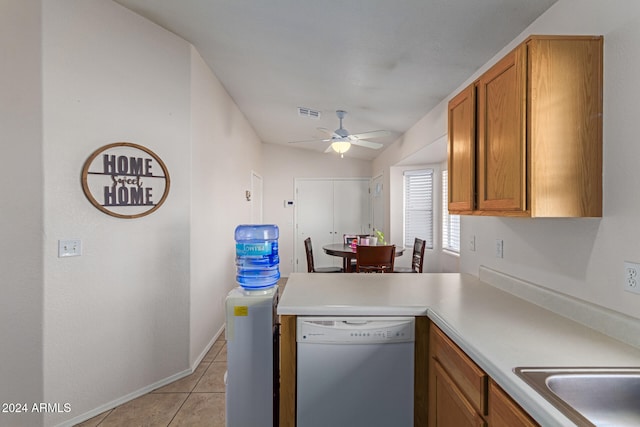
(311, 268)
(375, 259)
(417, 259)
(347, 239)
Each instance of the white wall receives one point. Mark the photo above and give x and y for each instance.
(579, 257)
(224, 150)
(21, 202)
(116, 319)
(281, 165)
(142, 304)
(429, 131)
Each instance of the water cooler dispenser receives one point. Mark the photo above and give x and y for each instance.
(252, 379)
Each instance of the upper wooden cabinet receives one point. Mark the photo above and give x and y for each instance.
(526, 138)
(501, 136)
(462, 150)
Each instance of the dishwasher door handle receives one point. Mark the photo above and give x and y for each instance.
(355, 322)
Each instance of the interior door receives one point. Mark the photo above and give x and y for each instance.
(314, 218)
(351, 208)
(325, 210)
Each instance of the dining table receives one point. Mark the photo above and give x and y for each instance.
(347, 253)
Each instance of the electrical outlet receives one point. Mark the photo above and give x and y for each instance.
(632, 277)
(472, 243)
(499, 248)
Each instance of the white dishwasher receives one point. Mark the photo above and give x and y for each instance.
(355, 371)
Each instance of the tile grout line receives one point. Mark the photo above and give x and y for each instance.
(178, 411)
(209, 363)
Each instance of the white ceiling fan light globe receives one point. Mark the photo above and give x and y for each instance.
(341, 147)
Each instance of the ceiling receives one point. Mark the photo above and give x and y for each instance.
(386, 62)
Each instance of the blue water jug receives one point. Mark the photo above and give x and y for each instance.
(257, 258)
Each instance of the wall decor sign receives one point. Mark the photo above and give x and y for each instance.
(125, 180)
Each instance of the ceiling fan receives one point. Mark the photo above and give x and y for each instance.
(341, 140)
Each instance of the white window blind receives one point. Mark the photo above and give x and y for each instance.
(418, 207)
(450, 223)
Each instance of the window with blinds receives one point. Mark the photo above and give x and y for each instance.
(418, 207)
(450, 223)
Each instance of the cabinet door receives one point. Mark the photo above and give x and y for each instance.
(504, 412)
(451, 407)
(469, 378)
(565, 125)
(462, 151)
(502, 155)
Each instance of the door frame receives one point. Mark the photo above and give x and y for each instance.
(257, 197)
(375, 193)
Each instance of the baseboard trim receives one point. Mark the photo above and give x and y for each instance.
(124, 399)
(144, 390)
(201, 356)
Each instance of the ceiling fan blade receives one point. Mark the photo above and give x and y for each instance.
(310, 140)
(327, 131)
(367, 144)
(372, 134)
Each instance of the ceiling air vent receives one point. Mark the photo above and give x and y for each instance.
(307, 112)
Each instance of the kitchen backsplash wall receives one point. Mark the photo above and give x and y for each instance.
(582, 258)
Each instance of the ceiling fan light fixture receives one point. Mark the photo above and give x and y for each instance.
(341, 140)
(341, 147)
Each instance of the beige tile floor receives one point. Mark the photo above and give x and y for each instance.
(194, 401)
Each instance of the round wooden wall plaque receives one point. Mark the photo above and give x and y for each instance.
(125, 180)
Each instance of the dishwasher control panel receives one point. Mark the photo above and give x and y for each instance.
(354, 330)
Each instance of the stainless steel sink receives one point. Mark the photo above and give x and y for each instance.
(589, 396)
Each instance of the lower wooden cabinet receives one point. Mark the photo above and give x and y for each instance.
(504, 412)
(461, 394)
(458, 387)
(451, 408)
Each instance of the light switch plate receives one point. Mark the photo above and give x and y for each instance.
(71, 247)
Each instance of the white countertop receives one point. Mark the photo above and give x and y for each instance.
(498, 330)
